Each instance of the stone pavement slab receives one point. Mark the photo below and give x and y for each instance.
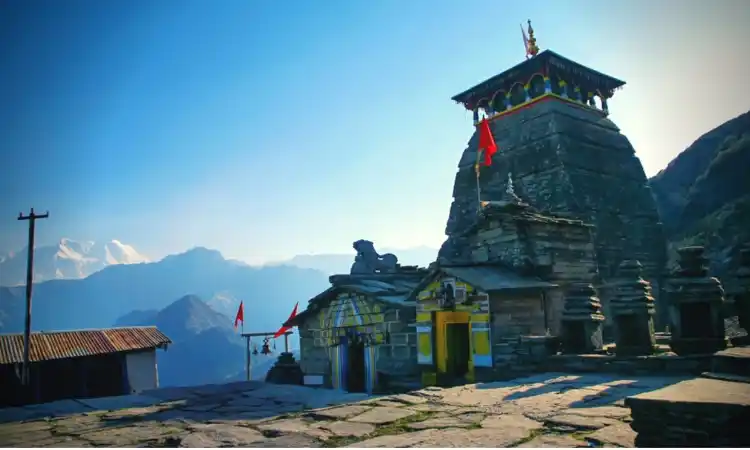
(380, 415)
(349, 429)
(340, 412)
(621, 435)
(525, 412)
(553, 440)
(581, 422)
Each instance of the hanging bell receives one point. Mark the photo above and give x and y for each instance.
(266, 349)
(255, 350)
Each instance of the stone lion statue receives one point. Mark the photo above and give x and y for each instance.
(369, 261)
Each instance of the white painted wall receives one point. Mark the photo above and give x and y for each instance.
(142, 374)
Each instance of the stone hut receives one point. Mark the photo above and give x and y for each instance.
(499, 292)
(549, 118)
(355, 335)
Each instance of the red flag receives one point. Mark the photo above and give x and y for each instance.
(284, 329)
(240, 316)
(486, 141)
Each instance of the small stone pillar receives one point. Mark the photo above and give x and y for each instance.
(742, 296)
(696, 302)
(581, 320)
(632, 309)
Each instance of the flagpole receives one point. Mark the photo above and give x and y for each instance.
(479, 188)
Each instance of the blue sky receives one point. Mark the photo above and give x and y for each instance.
(267, 129)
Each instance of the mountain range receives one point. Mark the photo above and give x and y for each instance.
(102, 298)
(65, 260)
(205, 346)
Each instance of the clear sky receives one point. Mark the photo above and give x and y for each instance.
(267, 129)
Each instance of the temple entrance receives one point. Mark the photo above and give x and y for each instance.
(453, 346)
(628, 326)
(693, 319)
(458, 349)
(355, 370)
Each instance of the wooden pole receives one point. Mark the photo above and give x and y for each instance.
(29, 284)
(247, 358)
(286, 342)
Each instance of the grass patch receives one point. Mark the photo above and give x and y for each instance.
(401, 426)
(581, 434)
(533, 434)
(398, 427)
(339, 441)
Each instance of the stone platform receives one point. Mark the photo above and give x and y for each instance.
(710, 411)
(544, 410)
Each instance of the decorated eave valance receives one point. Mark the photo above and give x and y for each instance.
(526, 69)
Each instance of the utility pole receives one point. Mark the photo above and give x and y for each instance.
(32, 217)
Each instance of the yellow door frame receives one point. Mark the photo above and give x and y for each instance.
(442, 319)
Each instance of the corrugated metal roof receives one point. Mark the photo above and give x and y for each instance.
(46, 346)
(495, 278)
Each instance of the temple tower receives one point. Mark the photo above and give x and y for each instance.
(549, 117)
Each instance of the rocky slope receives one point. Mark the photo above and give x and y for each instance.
(68, 259)
(703, 195)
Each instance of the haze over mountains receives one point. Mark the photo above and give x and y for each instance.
(102, 298)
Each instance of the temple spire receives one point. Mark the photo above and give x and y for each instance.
(531, 47)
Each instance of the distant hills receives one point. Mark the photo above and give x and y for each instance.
(703, 195)
(104, 297)
(206, 348)
(68, 259)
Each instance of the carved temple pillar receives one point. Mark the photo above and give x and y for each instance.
(696, 303)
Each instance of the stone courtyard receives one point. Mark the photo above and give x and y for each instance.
(544, 410)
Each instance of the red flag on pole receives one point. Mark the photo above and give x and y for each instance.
(240, 316)
(284, 329)
(486, 141)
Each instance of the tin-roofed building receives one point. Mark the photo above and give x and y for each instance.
(80, 364)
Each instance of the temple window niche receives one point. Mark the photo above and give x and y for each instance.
(517, 94)
(536, 86)
(498, 103)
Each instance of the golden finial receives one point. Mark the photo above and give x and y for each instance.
(532, 48)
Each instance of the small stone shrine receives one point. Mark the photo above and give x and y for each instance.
(696, 302)
(582, 319)
(632, 309)
(286, 370)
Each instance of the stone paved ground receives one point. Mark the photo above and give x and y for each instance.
(545, 410)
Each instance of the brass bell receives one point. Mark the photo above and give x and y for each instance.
(266, 349)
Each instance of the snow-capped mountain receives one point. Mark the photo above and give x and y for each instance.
(67, 259)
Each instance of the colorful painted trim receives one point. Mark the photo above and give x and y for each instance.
(540, 99)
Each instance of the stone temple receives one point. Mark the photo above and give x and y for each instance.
(549, 118)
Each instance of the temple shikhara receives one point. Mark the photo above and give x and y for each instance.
(554, 254)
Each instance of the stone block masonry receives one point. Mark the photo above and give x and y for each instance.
(571, 162)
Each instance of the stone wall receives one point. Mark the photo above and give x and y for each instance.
(571, 162)
(389, 324)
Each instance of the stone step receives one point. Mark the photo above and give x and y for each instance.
(733, 361)
(726, 377)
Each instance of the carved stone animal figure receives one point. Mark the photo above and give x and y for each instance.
(369, 261)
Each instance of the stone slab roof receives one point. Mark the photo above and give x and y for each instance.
(391, 288)
(488, 278)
